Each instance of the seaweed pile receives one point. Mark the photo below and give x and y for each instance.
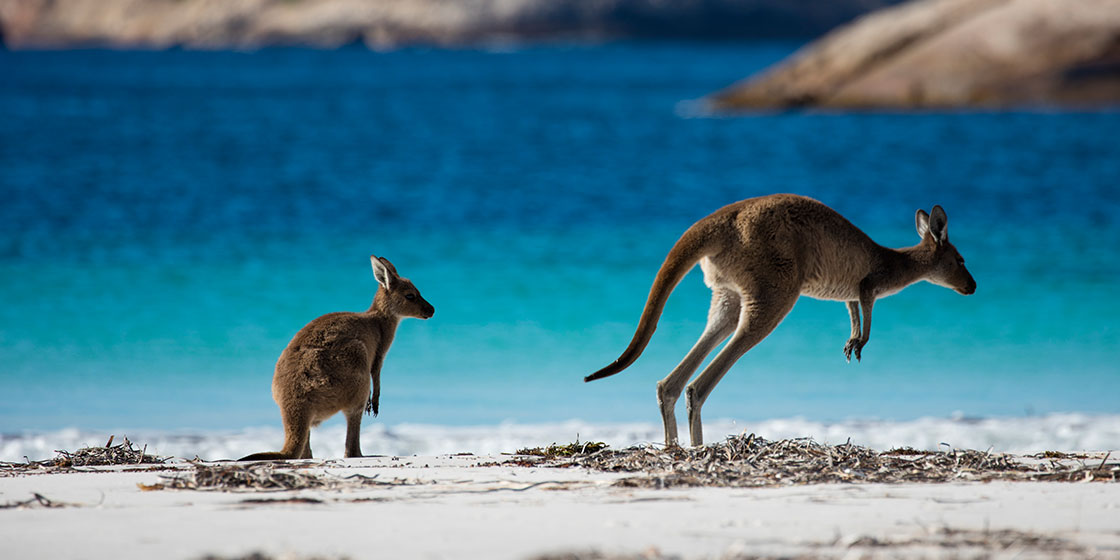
(125, 453)
(751, 461)
(945, 542)
(567, 450)
(121, 454)
(261, 477)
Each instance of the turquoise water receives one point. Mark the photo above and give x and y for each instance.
(169, 220)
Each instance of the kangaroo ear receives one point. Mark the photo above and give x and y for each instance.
(939, 225)
(383, 274)
(921, 221)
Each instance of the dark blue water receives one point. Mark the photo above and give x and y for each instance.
(169, 220)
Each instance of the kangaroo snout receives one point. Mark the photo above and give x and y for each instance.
(964, 284)
(968, 289)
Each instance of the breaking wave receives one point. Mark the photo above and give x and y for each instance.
(1032, 434)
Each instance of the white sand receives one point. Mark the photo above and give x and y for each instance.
(458, 510)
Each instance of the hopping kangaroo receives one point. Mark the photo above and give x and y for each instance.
(328, 365)
(758, 256)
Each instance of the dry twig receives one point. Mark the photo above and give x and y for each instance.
(36, 499)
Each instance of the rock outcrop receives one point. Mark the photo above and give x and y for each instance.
(389, 23)
(951, 53)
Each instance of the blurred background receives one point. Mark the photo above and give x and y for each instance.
(185, 184)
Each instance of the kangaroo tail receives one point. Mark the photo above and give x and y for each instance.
(297, 430)
(682, 257)
(266, 456)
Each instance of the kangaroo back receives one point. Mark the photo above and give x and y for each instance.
(688, 251)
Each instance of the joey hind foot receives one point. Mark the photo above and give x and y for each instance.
(854, 345)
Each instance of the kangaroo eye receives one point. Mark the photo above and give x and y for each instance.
(410, 297)
(960, 261)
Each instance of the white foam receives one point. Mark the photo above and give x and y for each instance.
(1060, 432)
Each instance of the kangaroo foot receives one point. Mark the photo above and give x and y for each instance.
(854, 345)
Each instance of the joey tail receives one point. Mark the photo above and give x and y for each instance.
(266, 456)
(682, 257)
(295, 440)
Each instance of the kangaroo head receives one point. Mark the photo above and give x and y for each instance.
(399, 296)
(947, 263)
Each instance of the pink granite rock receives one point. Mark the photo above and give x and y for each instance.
(388, 23)
(951, 53)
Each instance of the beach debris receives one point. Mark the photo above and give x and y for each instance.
(262, 477)
(972, 541)
(569, 450)
(125, 453)
(36, 499)
(263, 556)
(121, 454)
(945, 542)
(273, 501)
(650, 554)
(751, 461)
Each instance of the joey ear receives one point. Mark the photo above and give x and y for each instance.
(921, 222)
(389, 265)
(381, 273)
(939, 224)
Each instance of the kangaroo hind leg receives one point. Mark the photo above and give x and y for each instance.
(722, 317)
(297, 435)
(353, 431)
(759, 315)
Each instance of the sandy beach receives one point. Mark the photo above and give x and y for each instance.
(505, 506)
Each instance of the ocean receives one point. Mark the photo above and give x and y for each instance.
(170, 219)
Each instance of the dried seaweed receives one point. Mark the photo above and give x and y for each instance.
(36, 499)
(651, 554)
(292, 500)
(570, 450)
(121, 454)
(943, 543)
(750, 461)
(262, 477)
(264, 556)
(989, 540)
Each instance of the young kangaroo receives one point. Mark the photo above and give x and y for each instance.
(758, 256)
(328, 365)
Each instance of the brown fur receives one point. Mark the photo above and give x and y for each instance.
(329, 365)
(758, 256)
